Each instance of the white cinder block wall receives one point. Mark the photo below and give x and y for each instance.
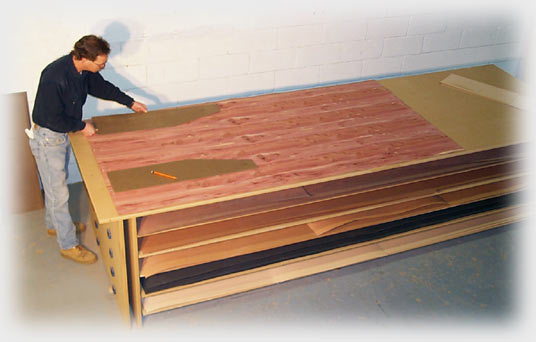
(179, 55)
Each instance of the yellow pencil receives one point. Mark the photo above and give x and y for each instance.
(163, 174)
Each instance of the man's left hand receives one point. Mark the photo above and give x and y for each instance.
(139, 107)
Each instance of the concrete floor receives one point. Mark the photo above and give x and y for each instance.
(467, 283)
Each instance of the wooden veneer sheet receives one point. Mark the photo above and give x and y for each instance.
(218, 268)
(219, 211)
(294, 138)
(249, 280)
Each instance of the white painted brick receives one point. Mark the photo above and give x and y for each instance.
(115, 53)
(223, 65)
(447, 40)
(297, 36)
(162, 49)
(126, 77)
(169, 72)
(347, 31)
(364, 49)
(215, 40)
(316, 55)
(115, 31)
(252, 82)
(90, 108)
(187, 47)
(285, 15)
(467, 56)
(430, 60)
(108, 106)
(164, 94)
(382, 66)
(162, 23)
(387, 27)
(147, 96)
(193, 91)
(296, 77)
(211, 88)
(402, 46)
(427, 23)
(340, 71)
(507, 33)
(133, 52)
(246, 41)
(478, 34)
(272, 60)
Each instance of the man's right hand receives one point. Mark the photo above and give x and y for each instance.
(89, 130)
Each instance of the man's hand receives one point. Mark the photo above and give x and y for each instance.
(89, 130)
(138, 107)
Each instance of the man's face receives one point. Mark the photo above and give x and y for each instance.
(98, 64)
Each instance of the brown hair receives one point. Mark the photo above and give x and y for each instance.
(90, 47)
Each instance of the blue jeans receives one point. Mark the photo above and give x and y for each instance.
(51, 151)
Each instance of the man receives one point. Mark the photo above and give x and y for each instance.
(62, 91)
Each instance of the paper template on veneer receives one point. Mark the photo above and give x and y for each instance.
(154, 119)
(142, 177)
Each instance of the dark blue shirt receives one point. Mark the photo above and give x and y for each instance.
(62, 92)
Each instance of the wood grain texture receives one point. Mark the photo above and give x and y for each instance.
(292, 269)
(510, 157)
(292, 137)
(218, 250)
(318, 213)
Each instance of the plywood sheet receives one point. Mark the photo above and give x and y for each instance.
(23, 169)
(483, 89)
(473, 121)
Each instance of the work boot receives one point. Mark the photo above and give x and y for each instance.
(80, 227)
(79, 254)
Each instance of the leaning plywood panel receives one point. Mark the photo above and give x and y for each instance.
(26, 189)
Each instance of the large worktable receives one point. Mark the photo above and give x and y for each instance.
(279, 186)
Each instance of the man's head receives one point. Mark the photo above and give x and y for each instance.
(92, 51)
